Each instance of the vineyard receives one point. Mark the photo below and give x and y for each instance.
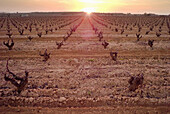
(80, 60)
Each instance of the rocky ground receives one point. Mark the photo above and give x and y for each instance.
(82, 74)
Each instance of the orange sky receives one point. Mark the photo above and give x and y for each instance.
(124, 6)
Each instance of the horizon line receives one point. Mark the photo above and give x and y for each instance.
(81, 12)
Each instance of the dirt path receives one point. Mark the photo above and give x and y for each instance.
(97, 110)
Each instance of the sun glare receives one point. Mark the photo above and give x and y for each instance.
(88, 10)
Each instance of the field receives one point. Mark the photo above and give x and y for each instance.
(81, 73)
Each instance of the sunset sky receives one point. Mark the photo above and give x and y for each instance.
(123, 6)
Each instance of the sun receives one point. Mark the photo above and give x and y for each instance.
(88, 10)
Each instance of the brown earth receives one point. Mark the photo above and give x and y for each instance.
(82, 74)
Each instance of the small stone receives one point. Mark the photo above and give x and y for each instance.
(61, 99)
(31, 99)
(24, 93)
